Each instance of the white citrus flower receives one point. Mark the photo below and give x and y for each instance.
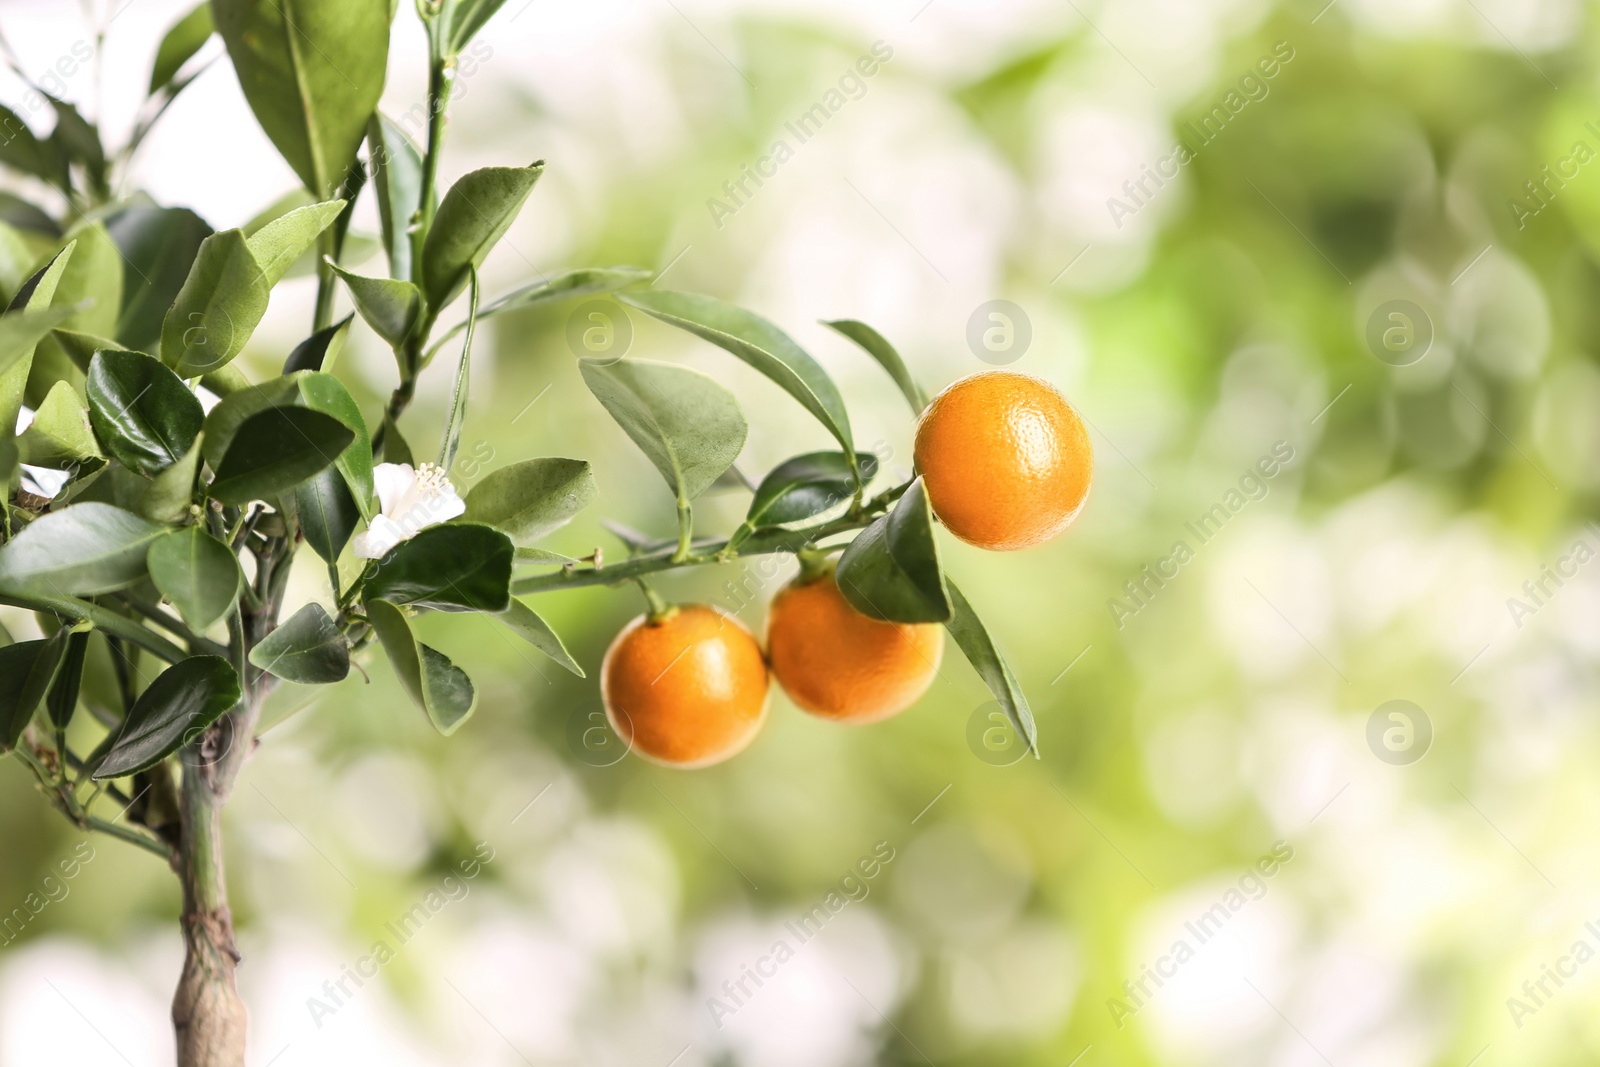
(410, 500)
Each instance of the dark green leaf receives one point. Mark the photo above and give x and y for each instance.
(979, 647)
(530, 499)
(328, 513)
(169, 495)
(397, 177)
(78, 141)
(59, 436)
(158, 245)
(395, 449)
(757, 342)
(225, 419)
(801, 487)
(275, 450)
(312, 72)
(307, 648)
(467, 19)
(218, 308)
(891, 571)
(454, 567)
(278, 244)
(325, 393)
(389, 306)
(180, 44)
(523, 621)
(23, 215)
(321, 349)
(473, 215)
(439, 687)
(62, 700)
(26, 669)
(690, 427)
(197, 573)
(22, 151)
(143, 412)
(176, 708)
(81, 550)
(882, 351)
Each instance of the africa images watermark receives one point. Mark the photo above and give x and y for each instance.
(1537, 991)
(852, 85)
(1253, 485)
(52, 890)
(853, 887)
(1193, 136)
(1540, 591)
(450, 890)
(1252, 887)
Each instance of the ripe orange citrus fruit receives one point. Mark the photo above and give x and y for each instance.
(1005, 459)
(839, 664)
(687, 688)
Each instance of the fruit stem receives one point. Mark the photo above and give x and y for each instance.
(659, 608)
(814, 563)
(685, 531)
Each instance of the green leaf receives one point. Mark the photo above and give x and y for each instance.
(321, 349)
(453, 567)
(467, 19)
(306, 648)
(975, 642)
(397, 177)
(891, 571)
(170, 494)
(395, 449)
(81, 550)
(180, 44)
(456, 420)
(543, 556)
(690, 427)
(439, 687)
(81, 347)
(231, 412)
(77, 140)
(325, 393)
(525, 623)
(312, 72)
(19, 335)
(882, 351)
(328, 513)
(92, 281)
(17, 254)
(473, 215)
(159, 246)
(24, 215)
(757, 342)
(22, 151)
(59, 435)
(278, 244)
(22, 330)
(62, 699)
(528, 500)
(391, 307)
(801, 487)
(176, 708)
(581, 282)
(275, 450)
(26, 670)
(143, 412)
(218, 308)
(198, 574)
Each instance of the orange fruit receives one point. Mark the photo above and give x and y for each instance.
(839, 664)
(687, 688)
(1005, 460)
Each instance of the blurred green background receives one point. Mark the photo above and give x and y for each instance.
(1225, 708)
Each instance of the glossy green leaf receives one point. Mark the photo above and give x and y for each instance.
(62, 699)
(528, 500)
(218, 308)
(59, 436)
(180, 44)
(321, 349)
(81, 550)
(328, 513)
(975, 642)
(439, 687)
(278, 244)
(312, 72)
(802, 487)
(690, 427)
(396, 164)
(581, 282)
(453, 567)
(158, 247)
(197, 573)
(881, 350)
(306, 648)
(391, 307)
(757, 342)
(395, 449)
(456, 419)
(173, 711)
(143, 412)
(891, 571)
(169, 495)
(228, 415)
(275, 450)
(325, 393)
(26, 670)
(467, 18)
(526, 623)
(473, 215)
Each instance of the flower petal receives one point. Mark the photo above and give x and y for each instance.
(393, 481)
(378, 539)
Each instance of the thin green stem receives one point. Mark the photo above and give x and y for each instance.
(103, 618)
(441, 78)
(132, 836)
(177, 629)
(685, 531)
(323, 315)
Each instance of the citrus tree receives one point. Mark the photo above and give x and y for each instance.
(158, 498)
